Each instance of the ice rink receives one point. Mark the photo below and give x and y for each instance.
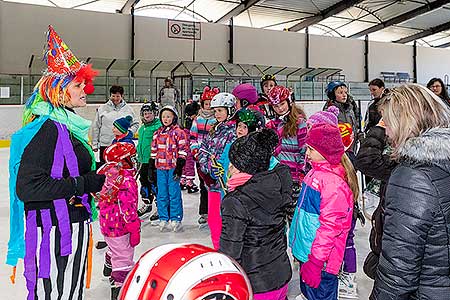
(151, 237)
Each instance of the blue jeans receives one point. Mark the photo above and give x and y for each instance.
(168, 201)
(327, 290)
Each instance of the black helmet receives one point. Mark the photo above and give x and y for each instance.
(150, 106)
(267, 77)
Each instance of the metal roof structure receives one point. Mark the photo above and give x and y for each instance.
(400, 21)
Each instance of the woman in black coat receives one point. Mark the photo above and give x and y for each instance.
(415, 253)
(374, 162)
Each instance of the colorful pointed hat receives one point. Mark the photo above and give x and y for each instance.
(59, 58)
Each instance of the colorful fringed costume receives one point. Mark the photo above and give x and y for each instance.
(51, 178)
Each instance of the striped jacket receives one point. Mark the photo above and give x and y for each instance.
(200, 129)
(323, 216)
(291, 150)
(169, 143)
(224, 134)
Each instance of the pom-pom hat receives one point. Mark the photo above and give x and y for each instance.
(251, 153)
(123, 124)
(330, 116)
(326, 139)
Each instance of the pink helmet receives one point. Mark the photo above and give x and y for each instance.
(279, 94)
(247, 92)
(186, 272)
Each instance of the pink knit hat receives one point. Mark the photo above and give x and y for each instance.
(330, 116)
(326, 139)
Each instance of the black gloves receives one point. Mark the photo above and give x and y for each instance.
(152, 171)
(179, 168)
(90, 182)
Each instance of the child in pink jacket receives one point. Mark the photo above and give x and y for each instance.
(119, 221)
(323, 215)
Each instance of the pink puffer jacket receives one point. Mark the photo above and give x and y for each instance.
(121, 210)
(323, 216)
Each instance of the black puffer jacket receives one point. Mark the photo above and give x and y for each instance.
(253, 228)
(373, 115)
(372, 162)
(415, 258)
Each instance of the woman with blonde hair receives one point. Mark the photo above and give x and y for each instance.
(415, 257)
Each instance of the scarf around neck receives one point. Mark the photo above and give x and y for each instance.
(77, 125)
(237, 180)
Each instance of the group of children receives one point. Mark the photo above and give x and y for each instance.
(262, 164)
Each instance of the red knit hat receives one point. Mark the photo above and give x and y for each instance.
(326, 139)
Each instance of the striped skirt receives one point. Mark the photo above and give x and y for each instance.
(67, 273)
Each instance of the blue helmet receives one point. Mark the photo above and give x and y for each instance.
(331, 87)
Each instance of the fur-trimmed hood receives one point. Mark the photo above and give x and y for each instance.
(431, 147)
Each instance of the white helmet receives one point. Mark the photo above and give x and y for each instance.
(186, 272)
(226, 100)
(173, 110)
(223, 100)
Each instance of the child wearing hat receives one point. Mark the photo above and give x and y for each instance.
(323, 215)
(121, 130)
(254, 212)
(150, 123)
(169, 151)
(347, 283)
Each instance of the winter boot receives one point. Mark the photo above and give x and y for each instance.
(101, 245)
(192, 189)
(183, 183)
(115, 290)
(348, 288)
(145, 211)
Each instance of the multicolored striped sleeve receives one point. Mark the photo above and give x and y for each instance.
(193, 135)
(154, 145)
(183, 143)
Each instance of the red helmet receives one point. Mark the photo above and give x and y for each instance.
(279, 94)
(186, 272)
(119, 151)
(346, 134)
(209, 93)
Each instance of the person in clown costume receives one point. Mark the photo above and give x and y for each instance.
(52, 173)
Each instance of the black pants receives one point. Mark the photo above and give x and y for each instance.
(203, 207)
(143, 176)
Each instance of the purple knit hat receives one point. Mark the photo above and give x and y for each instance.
(330, 116)
(246, 91)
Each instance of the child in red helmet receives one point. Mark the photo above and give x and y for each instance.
(119, 220)
(290, 125)
(200, 128)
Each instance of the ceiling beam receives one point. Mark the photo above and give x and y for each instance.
(126, 8)
(245, 4)
(402, 18)
(443, 45)
(328, 12)
(424, 33)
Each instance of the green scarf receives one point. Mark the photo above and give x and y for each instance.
(77, 125)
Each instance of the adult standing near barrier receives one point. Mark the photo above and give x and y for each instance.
(114, 109)
(414, 261)
(170, 95)
(437, 86)
(373, 116)
(52, 169)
